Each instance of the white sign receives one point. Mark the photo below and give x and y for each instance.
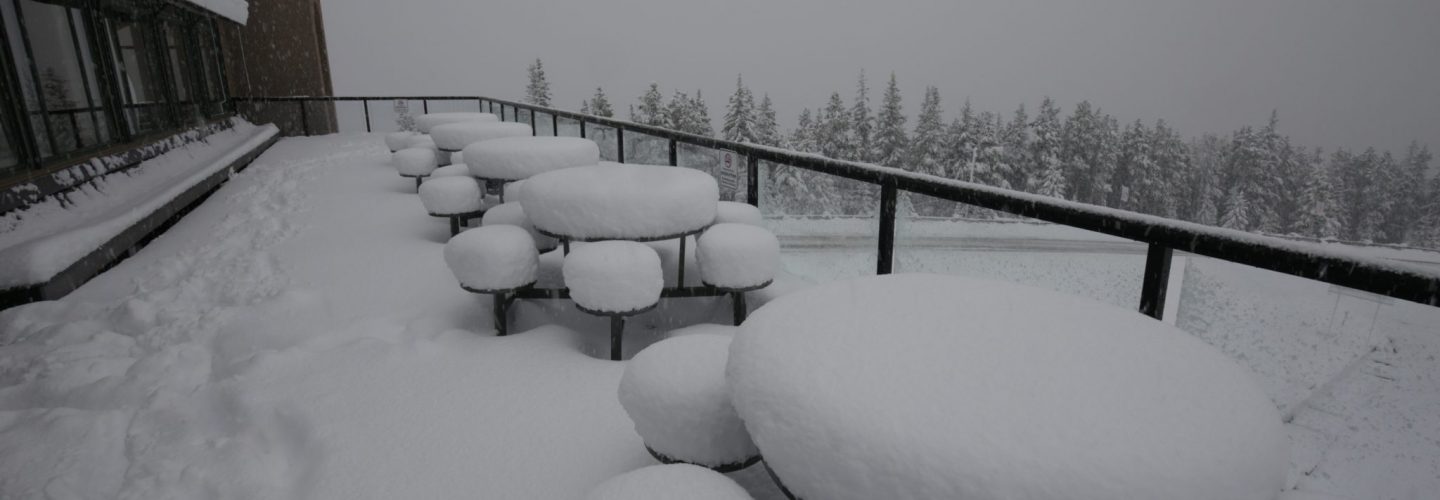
(729, 176)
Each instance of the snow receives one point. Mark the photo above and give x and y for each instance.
(740, 213)
(427, 122)
(675, 392)
(1013, 391)
(512, 191)
(669, 482)
(234, 10)
(613, 276)
(620, 201)
(457, 157)
(522, 157)
(492, 258)
(46, 238)
(421, 141)
(452, 170)
(398, 140)
(738, 256)
(511, 213)
(456, 136)
(415, 162)
(451, 195)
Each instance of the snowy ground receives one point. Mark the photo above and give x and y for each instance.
(298, 335)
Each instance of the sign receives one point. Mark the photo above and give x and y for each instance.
(728, 175)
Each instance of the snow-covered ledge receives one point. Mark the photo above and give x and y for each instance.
(234, 10)
(52, 247)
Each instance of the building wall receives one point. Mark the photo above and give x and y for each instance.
(280, 52)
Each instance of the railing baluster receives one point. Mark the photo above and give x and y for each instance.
(533, 130)
(885, 257)
(366, 102)
(582, 128)
(554, 125)
(620, 144)
(674, 154)
(425, 106)
(1157, 280)
(752, 180)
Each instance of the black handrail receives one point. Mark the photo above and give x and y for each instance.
(1164, 236)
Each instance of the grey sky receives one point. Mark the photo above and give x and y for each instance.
(1349, 73)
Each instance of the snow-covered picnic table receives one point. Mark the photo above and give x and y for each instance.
(928, 386)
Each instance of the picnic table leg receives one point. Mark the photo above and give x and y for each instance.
(617, 330)
(502, 315)
(682, 262)
(417, 184)
(566, 244)
(454, 225)
(738, 300)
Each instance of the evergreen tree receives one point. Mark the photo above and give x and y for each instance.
(801, 139)
(652, 108)
(1317, 202)
(834, 136)
(890, 137)
(700, 123)
(767, 131)
(862, 125)
(925, 152)
(679, 113)
(584, 107)
(1087, 149)
(1409, 192)
(1133, 169)
(1045, 151)
(600, 105)
(1198, 191)
(1237, 211)
(537, 92)
(1015, 142)
(740, 115)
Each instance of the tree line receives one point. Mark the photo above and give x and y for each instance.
(1253, 179)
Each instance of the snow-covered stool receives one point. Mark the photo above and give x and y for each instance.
(428, 121)
(456, 198)
(614, 279)
(737, 258)
(420, 141)
(511, 192)
(675, 393)
(451, 170)
(494, 260)
(738, 213)
(669, 482)
(1013, 391)
(452, 138)
(621, 202)
(517, 158)
(416, 163)
(512, 214)
(398, 140)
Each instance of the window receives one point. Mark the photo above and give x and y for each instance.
(139, 74)
(61, 100)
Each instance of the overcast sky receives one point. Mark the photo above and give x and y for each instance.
(1350, 73)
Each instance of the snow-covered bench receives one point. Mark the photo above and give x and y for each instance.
(669, 482)
(426, 122)
(615, 279)
(416, 163)
(453, 197)
(452, 138)
(737, 258)
(494, 260)
(738, 213)
(512, 214)
(398, 140)
(675, 393)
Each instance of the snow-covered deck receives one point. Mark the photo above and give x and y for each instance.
(299, 335)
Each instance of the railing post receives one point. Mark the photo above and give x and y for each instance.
(554, 125)
(480, 105)
(425, 106)
(532, 124)
(620, 144)
(674, 154)
(304, 118)
(582, 128)
(492, 107)
(885, 257)
(366, 102)
(1157, 279)
(752, 180)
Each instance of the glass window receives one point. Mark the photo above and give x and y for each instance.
(50, 47)
(182, 74)
(9, 160)
(139, 73)
(214, 84)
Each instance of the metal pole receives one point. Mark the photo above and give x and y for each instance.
(425, 106)
(674, 154)
(681, 269)
(620, 144)
(737, 299)
(752, 181)
(366, 102)
(617, 330)
(885, 258)
(1157, 280)
(582, 128)
(492, 107)
(554, 125)
(304, 118)
(533, 131)
(480, 104)
(502, 316)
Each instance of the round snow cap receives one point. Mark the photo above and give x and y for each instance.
(739, 213)
(451, 195)
(636, 202)
(617, 277)
(415, 162)
(675, 392)
(512, 191)
(426, 122)
(511, 214)
(398, 140)
(492, 258)
(421, 141)
(451, 170)
(738, 256)
(669, 482)
(522, 157)
(930, 386)
(457, 136)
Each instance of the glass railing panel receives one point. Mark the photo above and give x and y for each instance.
(826, 233)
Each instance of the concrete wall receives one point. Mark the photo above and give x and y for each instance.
(280, 52)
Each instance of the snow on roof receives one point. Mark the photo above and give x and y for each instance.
(234, 10)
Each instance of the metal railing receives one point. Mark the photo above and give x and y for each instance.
(1163, 236)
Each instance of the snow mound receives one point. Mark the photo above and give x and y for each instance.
(612, 276)
(427, 122)
(621, 201)
(512, 214)
(738, 255)
(676, 394)
(522, 157)
(512, 191)
(398, 140)
(451, 195)
(457, 157)
(415, 162)
(669, 482)
(492, 258)
(738, 213)
(452, 170)
(866, 388)
(421, 141)
(457, 136)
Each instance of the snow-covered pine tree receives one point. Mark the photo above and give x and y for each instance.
(652, 107)
(700, 123)
(1045, 151)
(1015, 140)
(584, 107)
(1317, 202)
(1169, 156)
(740, 115)
(1198, 190)
(834, 137)
(1427, 232)
(1081, 141)
(1132, 169)
(1409, 193)
(767, 131)
(927, 153)
(891, 140)
(600, 105)
(537, 92)
(1237, 211)
(862, 124)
